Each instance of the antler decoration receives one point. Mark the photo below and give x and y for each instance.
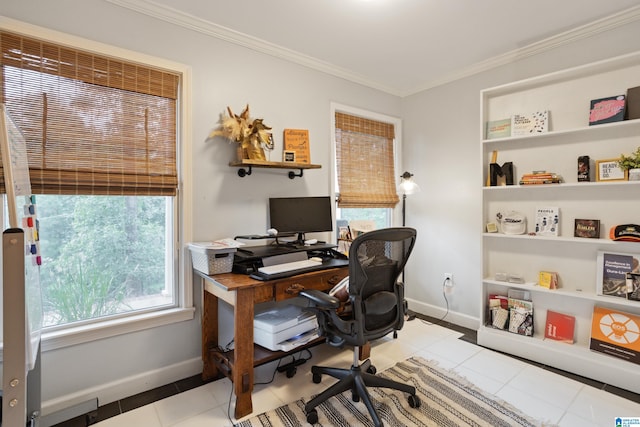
(252, 134)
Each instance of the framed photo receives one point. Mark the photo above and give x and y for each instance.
(609, 170)
(492, 227)
(289, 156)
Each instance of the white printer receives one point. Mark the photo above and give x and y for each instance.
(283, 326)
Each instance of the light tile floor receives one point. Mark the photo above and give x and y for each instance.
(534, 390)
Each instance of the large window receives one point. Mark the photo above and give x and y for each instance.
(102, 147)
(365, 156)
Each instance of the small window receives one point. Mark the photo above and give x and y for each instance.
(365, 156)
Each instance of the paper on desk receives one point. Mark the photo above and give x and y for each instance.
(220, 244)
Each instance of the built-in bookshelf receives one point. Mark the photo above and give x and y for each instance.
(566, 95)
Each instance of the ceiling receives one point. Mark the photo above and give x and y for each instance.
(398, 46)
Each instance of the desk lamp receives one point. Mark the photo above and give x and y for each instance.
(407, 186)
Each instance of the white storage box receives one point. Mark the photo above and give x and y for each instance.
(275, 328)
(211, 258)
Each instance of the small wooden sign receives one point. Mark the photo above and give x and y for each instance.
(610, 170)
(297, 140)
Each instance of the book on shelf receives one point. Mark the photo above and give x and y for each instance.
(612, 273)
(607, 110)
(588, 228)
(633, 286)
(547, 221)
(540, 177)
(559, 327)
(297, 141)
(633, 103)
(615, 333)
(521, 317)
(548, 279)
(498, 129)
(499, 311)
(530, 123)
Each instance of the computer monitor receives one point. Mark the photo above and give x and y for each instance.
(300, 215)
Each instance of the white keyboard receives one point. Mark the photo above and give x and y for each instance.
(289, 266)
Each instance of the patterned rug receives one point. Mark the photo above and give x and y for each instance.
(447, 400)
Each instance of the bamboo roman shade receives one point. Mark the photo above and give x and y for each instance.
(93, 124)
(365, 163)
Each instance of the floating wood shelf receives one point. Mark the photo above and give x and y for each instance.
(246, 166)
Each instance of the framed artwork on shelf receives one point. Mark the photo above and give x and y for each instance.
(610, 170)
(289, 156)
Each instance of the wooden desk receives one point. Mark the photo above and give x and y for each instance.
(243, 292)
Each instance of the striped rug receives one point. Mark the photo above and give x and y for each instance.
(447, 400)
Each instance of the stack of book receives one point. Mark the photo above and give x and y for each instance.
(540, 178)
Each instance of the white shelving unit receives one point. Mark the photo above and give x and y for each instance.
(566, 95)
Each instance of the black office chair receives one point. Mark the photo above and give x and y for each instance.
(377, 308)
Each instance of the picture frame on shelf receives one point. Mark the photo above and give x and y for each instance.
(609, 170)
(289, 156)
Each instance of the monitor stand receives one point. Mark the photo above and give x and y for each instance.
(295, 243)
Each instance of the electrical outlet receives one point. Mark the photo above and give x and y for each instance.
(448, 279)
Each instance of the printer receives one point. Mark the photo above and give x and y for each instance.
(280, 326)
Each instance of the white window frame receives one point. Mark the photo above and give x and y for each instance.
(396, 215)
(182, 215)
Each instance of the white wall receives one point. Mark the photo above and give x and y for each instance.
(284, 94)
(441, 147)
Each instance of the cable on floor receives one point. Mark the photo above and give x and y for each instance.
(273, 376)
(412, 316)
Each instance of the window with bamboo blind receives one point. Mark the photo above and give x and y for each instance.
(365, 162)
(101, 135)
(93, 124)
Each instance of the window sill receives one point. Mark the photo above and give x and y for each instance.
(86, 333)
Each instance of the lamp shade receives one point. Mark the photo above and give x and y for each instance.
(407, 184)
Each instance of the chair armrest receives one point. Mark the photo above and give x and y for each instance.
(320, 299)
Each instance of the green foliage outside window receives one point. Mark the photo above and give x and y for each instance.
(102, 255)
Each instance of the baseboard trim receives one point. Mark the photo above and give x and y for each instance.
(454, 317)
(122, 388)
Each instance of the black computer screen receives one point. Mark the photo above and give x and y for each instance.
(300, 214)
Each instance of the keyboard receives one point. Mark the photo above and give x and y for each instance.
(289, 266)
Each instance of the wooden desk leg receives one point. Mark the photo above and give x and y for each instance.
(243, 351)
(209, 329)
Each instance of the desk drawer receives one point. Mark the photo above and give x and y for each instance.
(321, 280)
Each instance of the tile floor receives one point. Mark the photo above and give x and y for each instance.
(540, 391)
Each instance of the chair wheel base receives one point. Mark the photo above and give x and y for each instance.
(317, 378)
(312, 416)
(414, 401)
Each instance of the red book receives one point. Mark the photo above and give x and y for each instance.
(559, 327)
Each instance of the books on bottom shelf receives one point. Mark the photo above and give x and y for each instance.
(512, 314)
(616, 333)
(559, 327)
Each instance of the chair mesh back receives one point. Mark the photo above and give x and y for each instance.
(376, 260)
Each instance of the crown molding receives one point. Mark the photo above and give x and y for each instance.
(174, 16)
(585, 31)
(194, 23)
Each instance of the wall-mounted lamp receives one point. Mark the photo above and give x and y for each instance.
(407, 186)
